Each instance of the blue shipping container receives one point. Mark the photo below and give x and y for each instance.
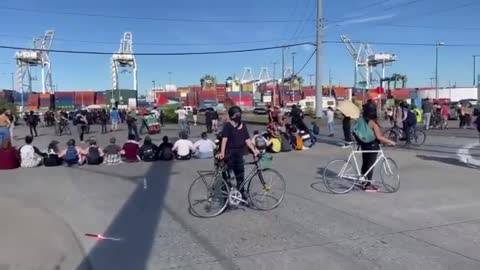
(237, 94)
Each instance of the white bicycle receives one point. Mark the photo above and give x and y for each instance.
(341, 176)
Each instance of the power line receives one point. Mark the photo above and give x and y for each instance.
(161, 44)
(142, 18)
(403, 43)
(431, 27)
(163, 53)
(306, 63)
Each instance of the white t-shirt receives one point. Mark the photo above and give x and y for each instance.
(204, 146)
(183, 147)
(182, 114)
(28, 157)
(330, 116)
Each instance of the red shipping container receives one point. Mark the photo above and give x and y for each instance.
(33, 100)
(65, 94)
(84, 98)
(245, 101)
(100, 100)
(308, 91)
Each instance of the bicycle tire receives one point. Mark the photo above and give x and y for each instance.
(331, 175)
(268, 187)
(216, 183)
(389, 170)
(418, 138)
(392, 135)
(67, 130)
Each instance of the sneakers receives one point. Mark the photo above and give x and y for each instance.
(371, 188)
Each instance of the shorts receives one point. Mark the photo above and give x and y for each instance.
(4, 134)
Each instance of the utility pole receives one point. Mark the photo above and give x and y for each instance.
(310, 76)
(474, 69)
(438, 44)
(283, 77)
(330, 82)
(293, 64)
(274, 84)
(318, 81)
(13, 80)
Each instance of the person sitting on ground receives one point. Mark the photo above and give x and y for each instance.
(273, 141)
(93, 154)
(183, 148)
(30, 156)
(260, 142)
(315, 128)
(9, 158)
(149, 151)
(165, 151)
(130, 149)
(52, 158)
(204, 147)
(72, 155)
(295, 138)
(112, 153)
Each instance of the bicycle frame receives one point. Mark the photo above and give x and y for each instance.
(359, 175)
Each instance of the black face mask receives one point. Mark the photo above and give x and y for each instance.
(237, 118)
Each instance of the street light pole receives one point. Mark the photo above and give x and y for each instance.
(438, 44)
(318, 81)
(474, 69)
(293, 63)
(274, 83)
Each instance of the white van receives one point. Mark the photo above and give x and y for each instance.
(310, 103)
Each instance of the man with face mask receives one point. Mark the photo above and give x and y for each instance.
(235, 138)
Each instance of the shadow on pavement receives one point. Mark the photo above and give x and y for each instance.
(320, 185)
(447, 160)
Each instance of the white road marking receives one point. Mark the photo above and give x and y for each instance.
(144, 183)
(464, 155)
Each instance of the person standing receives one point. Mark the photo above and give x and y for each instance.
(82, 123)
(270, 114)
(4, 127)
(445, 113)
(347, 128)
(461, 115)
(103, 120)
(427, 113)
(330, 122)
(195, 115)
(235, 138)
(162, 118)
(33, 123)
(215, 120)
(12, 119)
(209, 120)
(132, 125)
(182, 118)
(115, 116)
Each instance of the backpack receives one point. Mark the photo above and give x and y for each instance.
(148, 153)
(276, 145)
(71, 153)
(93, 156)
(167, 154)
(362, 131)
(286, 146)
(298, 142)
(411, 118)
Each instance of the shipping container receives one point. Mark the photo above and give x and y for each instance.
(244, 101)
(100, 98)
(7, 95)
(33, 100)
(236, 94)
(84, 98)
(308, 91)
(120, 95)
(18, 98)
(46, 101)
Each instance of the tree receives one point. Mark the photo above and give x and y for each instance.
(404, 81)
(208, 81)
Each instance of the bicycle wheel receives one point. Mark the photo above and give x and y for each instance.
(418, 137)
(67, 130)
(391, 134)
(269, 193)
(340, 176)
(390, 175)
(208, 195)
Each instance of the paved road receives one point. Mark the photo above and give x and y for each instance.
(432, 222)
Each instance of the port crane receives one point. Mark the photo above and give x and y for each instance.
(37, 57)
(124, 62)
(367, 62)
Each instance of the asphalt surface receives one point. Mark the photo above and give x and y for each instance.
(432, 222)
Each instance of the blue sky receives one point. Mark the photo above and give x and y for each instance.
(370, 20)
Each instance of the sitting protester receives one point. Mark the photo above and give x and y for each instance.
(52, 157)
(165, 151)
(204, 147)
(295, 138)
(130, 149)
(9, 158)
(307, 139)
(30, 156)
(274, 143)
(183, 148)
(112, 153)
(149, 151)
(93, 154)
(72, 155)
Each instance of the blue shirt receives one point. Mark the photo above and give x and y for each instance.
(115, 115)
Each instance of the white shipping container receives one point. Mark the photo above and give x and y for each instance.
(454, 94)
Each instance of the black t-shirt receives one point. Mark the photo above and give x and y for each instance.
(236, 136)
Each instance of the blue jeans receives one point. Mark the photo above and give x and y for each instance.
(203, 155)
(331, 127)
(4, 135)
(182, 124)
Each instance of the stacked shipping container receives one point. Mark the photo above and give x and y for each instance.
(241, 98)
(65, 100)
(84, 98)
(100, 98)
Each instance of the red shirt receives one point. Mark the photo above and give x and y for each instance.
(9, 159)
(444, 110)
(131, 151)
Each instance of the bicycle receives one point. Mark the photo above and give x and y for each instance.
(215, 193)
(396, 134)
(63, 128)
(346, 175)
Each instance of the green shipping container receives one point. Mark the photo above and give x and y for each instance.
(121, 95)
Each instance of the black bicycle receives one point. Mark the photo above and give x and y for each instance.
(396, 134)
(211, 193)
(63, 128)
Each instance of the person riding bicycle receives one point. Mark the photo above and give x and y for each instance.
(235, 138)
(369, 141)
(409, 122)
